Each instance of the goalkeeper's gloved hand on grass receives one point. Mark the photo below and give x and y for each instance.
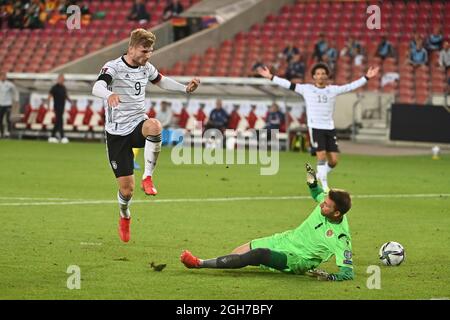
(311, 178)
(319, 274)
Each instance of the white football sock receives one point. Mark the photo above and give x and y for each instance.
(322, 175)
(124, 206)
(328, 168)
(151, 153)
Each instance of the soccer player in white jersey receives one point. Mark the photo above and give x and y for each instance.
(122, 84)
(320, 101)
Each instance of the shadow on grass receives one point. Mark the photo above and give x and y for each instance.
(247, 273)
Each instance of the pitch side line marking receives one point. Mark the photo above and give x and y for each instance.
(90, 202)
(46, 199)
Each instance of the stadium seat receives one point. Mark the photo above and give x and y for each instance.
(48, 120)
(29, 118)
(438, 87)
(271, 18)
(191, 70)
(222, 72)
(390, 88)
(422, 99)
(78, 121)
(408, 98)
(406, 83)
(373, 85)
(300, 22)
(116, 13)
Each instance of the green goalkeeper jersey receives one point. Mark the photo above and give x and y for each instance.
(317, 239)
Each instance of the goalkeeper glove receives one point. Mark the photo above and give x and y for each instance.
(311, 179)
(319, 274)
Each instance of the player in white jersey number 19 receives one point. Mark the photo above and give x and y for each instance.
(320, 98)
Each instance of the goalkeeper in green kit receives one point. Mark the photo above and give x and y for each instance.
(300, 251)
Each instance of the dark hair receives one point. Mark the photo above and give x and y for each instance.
(320, 65)
(341, 199)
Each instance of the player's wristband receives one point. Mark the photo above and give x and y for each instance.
(366, 78)
(312, 185)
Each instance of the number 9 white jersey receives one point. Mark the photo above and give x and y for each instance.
(129, 84)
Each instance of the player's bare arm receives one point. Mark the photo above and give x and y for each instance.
(264, 72)
(372, 72)
(113, 100)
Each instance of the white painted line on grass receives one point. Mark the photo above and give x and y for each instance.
(91, 243)
(95, 202)
(45, 199)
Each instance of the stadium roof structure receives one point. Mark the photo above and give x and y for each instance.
(229, 87)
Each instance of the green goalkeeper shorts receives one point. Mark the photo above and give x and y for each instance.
(295, 263)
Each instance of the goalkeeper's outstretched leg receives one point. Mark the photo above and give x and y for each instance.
(255, 257)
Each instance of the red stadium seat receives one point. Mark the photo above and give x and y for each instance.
(286, 16)
(438, 74)
(406, 84)
(335, 6)
(285, 9)
(221, 72)
(300, 22)
(235, 72)
(373, 85)
(192, 70)
(422, 99)
(438, 87)
(390, 88)
(406, 99)
(422, 19)
(435, 5)
(271, 18)
(205, 72)
(423, 87)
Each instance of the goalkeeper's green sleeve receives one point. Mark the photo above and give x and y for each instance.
(343, 274)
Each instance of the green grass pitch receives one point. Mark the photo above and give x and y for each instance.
(58, 208)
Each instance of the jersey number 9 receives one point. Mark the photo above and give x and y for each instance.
(137, 86)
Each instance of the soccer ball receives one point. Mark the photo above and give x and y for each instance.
(392, 253)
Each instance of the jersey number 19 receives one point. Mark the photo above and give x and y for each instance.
(322, 99)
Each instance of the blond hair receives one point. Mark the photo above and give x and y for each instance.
(141, 37)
